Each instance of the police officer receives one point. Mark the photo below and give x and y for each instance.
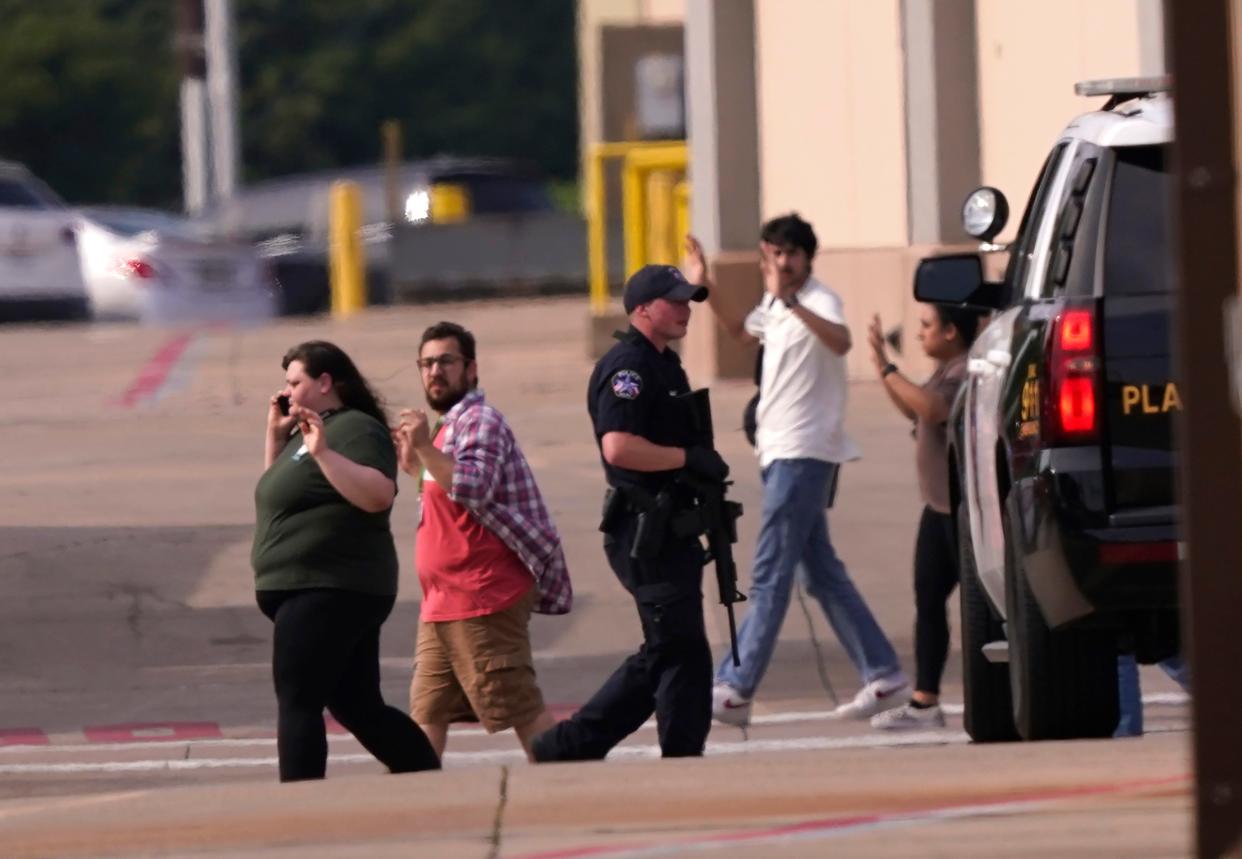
(645, 439)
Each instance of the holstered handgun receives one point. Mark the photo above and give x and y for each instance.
(614, 509)
(653, 526)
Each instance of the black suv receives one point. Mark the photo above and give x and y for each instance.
(1061, 456)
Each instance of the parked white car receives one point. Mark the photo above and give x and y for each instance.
(160, 268)
(39, 275)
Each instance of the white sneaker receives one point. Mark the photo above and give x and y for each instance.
(729, 707)
(909, 718)
(876, 697)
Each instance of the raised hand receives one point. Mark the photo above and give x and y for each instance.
(696, 263)
(311, 425)
(875, 338)
(771, 274)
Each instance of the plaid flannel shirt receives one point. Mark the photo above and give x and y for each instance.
(492, 480)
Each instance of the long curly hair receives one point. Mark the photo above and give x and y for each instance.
(319, 357)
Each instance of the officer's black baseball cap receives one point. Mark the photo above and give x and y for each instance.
(660, 281)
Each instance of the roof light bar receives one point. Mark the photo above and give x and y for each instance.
(1125, 86)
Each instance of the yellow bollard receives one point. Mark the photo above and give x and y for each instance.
(634, 217)
(346, 265)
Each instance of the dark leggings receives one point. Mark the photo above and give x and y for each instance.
(935, 577)
(325, 653)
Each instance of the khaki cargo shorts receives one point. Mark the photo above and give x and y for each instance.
(477, 670)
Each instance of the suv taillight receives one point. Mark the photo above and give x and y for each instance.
(1071, 403)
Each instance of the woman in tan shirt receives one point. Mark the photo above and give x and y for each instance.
(946, 334)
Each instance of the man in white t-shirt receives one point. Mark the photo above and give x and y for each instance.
(800, 441)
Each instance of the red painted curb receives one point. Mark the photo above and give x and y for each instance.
(23, 737)
(133, 732)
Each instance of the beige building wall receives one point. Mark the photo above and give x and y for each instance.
(831, 117)
(664, 11)
(1030, 57)
(832, 145)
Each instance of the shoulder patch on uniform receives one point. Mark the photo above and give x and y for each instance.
(626, 384)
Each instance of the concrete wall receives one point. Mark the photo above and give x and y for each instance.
(832, 145)
(1030, 57)
(831, 118)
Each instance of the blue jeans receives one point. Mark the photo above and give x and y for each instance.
(793, 535)
(1130, 695)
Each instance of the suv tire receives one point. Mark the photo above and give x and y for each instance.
(989, 709)
(1063, 682)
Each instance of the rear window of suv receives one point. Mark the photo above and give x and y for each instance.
(1136, 247)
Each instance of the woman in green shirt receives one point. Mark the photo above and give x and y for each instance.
(325, 563)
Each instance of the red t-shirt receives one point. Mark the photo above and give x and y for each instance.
(465, 570)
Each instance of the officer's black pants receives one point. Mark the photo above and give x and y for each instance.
(670, 675)
(325, 653)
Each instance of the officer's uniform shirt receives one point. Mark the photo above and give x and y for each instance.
(631, 390)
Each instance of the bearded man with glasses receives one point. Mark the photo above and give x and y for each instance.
(487, 553)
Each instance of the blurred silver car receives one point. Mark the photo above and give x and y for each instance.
(160, 268)
(39, 277)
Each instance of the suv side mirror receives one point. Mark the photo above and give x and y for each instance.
(956, 279)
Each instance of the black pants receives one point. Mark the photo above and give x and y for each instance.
(935, 577)
(325, 653)
(670, 675)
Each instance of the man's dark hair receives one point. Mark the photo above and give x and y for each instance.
(790, 230)
(444, 330)
(965, 321)
(319, 357)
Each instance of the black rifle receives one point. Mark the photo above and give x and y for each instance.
(713, 516)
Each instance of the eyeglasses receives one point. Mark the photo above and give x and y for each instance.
(444, 362)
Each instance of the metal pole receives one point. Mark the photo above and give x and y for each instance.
(192, 61)
(390, 133)
(221, 51)
(1209, 432)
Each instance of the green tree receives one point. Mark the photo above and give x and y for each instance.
(89, 88)
(462, 76)
(88, 97)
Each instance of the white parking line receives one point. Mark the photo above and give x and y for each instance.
(461, 759)
(505, 756)
(762, 720)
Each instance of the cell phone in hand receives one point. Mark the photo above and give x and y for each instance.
(282, 403)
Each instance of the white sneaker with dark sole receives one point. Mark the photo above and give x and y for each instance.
(909, 718)
(729, 707)
(877, 696)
